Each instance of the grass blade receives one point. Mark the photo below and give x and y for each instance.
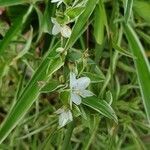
(6, 3)
(100, 22)
(26, 47)
(128, 9)
(81, 22)
(14, 29)
(142, 66)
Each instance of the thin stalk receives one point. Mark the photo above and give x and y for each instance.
(68, 135)
(112, 67)
(92, 136)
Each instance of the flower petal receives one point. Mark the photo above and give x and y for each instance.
(70, 118)
(73, 80)
(62, 120)
(60, 1)
(65, 117)
(86, 93)
(53, 20)
(55, 1)
(83, 83)
(56, 29)
(65, 31)
(75, 98)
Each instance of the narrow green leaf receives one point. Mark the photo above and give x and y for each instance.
(50, 64)
(73, 12)
(51, 86)
(142, 66)
(3, 70)
(81, 22)
(37, 130)
(27, 46)
(46, 22)
(121, 50)
(145, 36)
(14, 29)
(125, 67)
(6, 3)
(40, 19)
(128, 9)
(100, 106)
(99, 23)
(44, 19)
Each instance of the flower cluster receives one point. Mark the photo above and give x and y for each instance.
(78, 90)
(77, 86)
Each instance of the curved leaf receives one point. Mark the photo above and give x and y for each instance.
(100, 106)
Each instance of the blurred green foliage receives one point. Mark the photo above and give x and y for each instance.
(109, 43)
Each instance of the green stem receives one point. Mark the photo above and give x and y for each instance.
(92, 136)
(68, 136)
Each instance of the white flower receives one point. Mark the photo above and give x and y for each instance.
(65, 116)
(57, 28)
(57, 1)
(78, 88)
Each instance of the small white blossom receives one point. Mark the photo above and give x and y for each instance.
(65, 116)
(78, 88)
(57, 1)
(63, 29)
